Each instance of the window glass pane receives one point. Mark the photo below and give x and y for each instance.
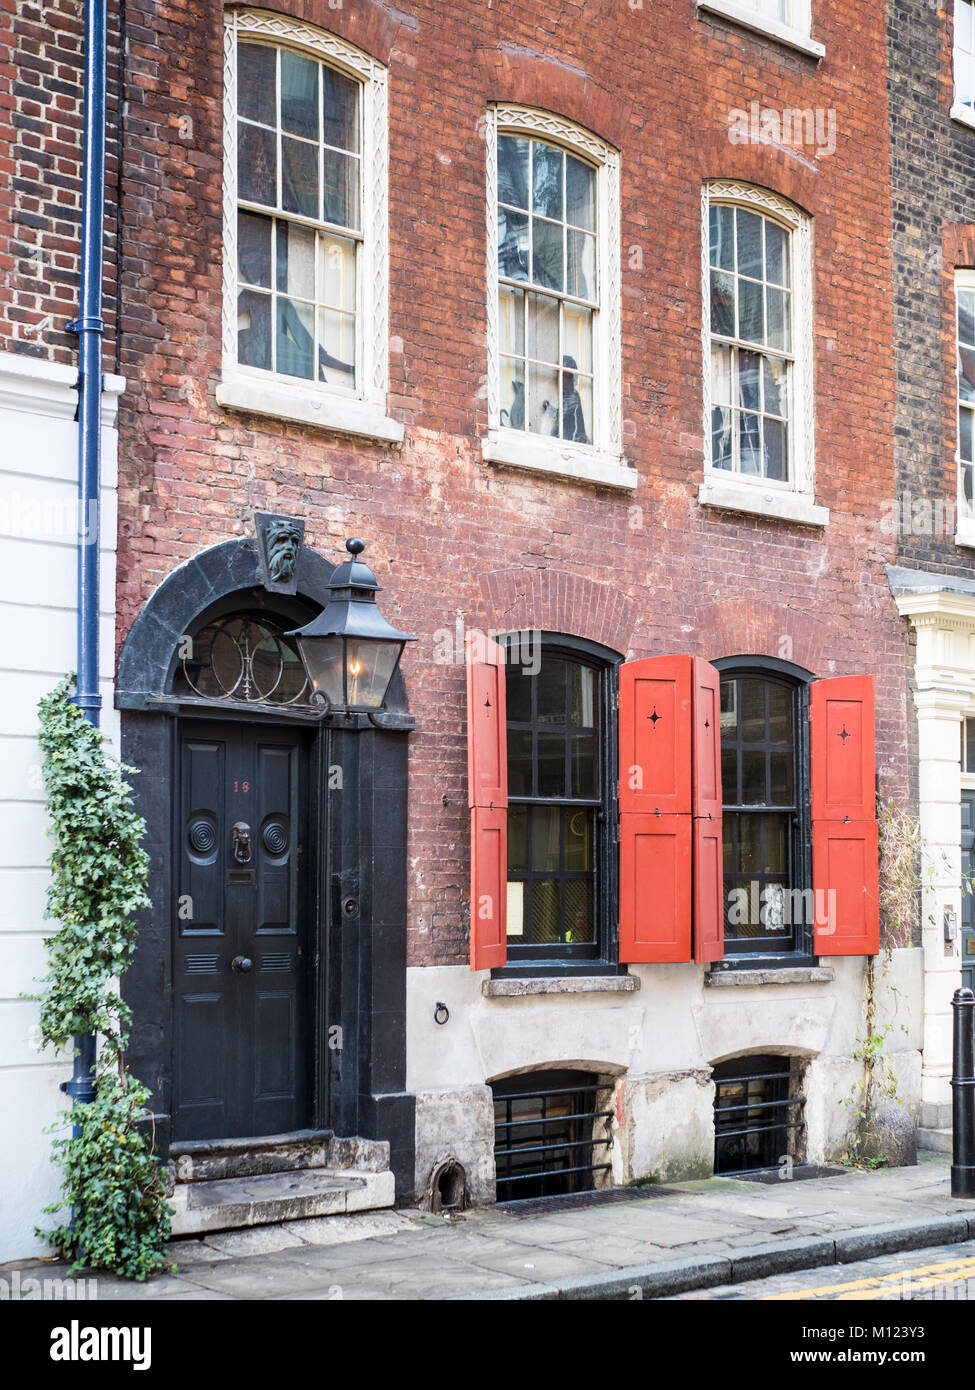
(752, 702)
(580, 194)
(295, 338)
(545, 919)
(581, 265)
(578, 911)
(513, 171)
(519, 692)
(576, 405)
(548, 175)
(341, 110)
(543, 396)
(547, 254)
(775, 387)
(254, 329)
(254, 249)
(776, 844)
(551, 765)
(752, 778)
(519, 762)
(584, 766)
(749, 844)
(578, 840)
(513, 394)
(729, 776)
(256, 83)
(546, 829)
(750, 315)
(965, 427)
(963, 24)
(749, 381)
(780, 765)
(299, 177)
(511, 320)
(338, 272)
(257, 176)
(722, 237)
(777, 305)
(779, 713)
(296, 260)
(577, 338)
(720, 374)
(518, 838)
(551, 691)
(775, 450)
(750, 444)
(722, 304)
(722, 440)
(512, 245)
(967, 481)
(299, 95)
(341, 175)
(336, 353)
(543, 328)
(750, 258)
(966, 374)
(776, 254)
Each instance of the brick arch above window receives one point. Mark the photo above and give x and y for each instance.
(730, 629)
(554, 601)
(958, 245)
(368, 24)
(527, 77)
(783, 171)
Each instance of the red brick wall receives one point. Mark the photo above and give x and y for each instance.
(41, 104)
(450, 535)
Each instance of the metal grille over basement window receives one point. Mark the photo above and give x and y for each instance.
(548, 1139)
(758, 1113)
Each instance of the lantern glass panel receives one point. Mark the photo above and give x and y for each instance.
(369, 667)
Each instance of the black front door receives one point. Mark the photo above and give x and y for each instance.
(241, 953)
(967, 924)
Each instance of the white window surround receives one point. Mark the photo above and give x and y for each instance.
(964, 525)
(601, 462)
(289, 398)
(786, 501)
(793, 35)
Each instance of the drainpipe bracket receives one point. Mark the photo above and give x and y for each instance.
(86, 325)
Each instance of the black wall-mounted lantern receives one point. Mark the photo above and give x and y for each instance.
(350, 652)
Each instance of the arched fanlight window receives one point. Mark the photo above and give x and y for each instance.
(244, 657)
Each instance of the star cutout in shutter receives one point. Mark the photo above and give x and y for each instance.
(844, 735)
(654, 717)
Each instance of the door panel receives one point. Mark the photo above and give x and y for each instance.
(240, 954)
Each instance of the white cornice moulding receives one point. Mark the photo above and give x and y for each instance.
(38, 387)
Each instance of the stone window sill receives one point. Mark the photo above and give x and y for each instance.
(965, 535)
(758, 501)
(564, 461)
(964, 115)
(560, 984)
(796, 975)
(761, 24)
(306, 406)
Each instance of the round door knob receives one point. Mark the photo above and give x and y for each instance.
(241, 964)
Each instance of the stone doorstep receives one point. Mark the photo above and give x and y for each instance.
(232, 1203)
(211, 1160)
(938, 1140)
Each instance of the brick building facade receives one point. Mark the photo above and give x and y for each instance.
(721, 185)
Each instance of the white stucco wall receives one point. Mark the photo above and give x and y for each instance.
(660, 1044)
(38, 605)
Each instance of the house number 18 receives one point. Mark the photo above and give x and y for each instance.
(242, 787)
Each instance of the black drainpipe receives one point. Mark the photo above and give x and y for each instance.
(90, 327)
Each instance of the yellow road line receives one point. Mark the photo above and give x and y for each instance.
(880, 1282)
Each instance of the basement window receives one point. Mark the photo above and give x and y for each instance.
(758, 1114)
(550, 1137)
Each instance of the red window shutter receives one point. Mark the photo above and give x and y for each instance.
(708, 849)
(487, 792)
(655, 736)
(841, 718)
(845, 835)
(655, 888)
(708, 891)
(707, 741)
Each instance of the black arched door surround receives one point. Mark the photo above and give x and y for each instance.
(333, 1062)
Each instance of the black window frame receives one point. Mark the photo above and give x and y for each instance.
(800, 953)
(602, 958)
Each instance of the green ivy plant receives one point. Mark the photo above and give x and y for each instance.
(111, 1179)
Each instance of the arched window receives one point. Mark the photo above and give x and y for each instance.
(559, 789)
(764, 776)
(758, 350)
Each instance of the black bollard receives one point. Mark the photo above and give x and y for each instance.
(963, 1096)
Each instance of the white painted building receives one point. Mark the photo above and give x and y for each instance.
(38, 601)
